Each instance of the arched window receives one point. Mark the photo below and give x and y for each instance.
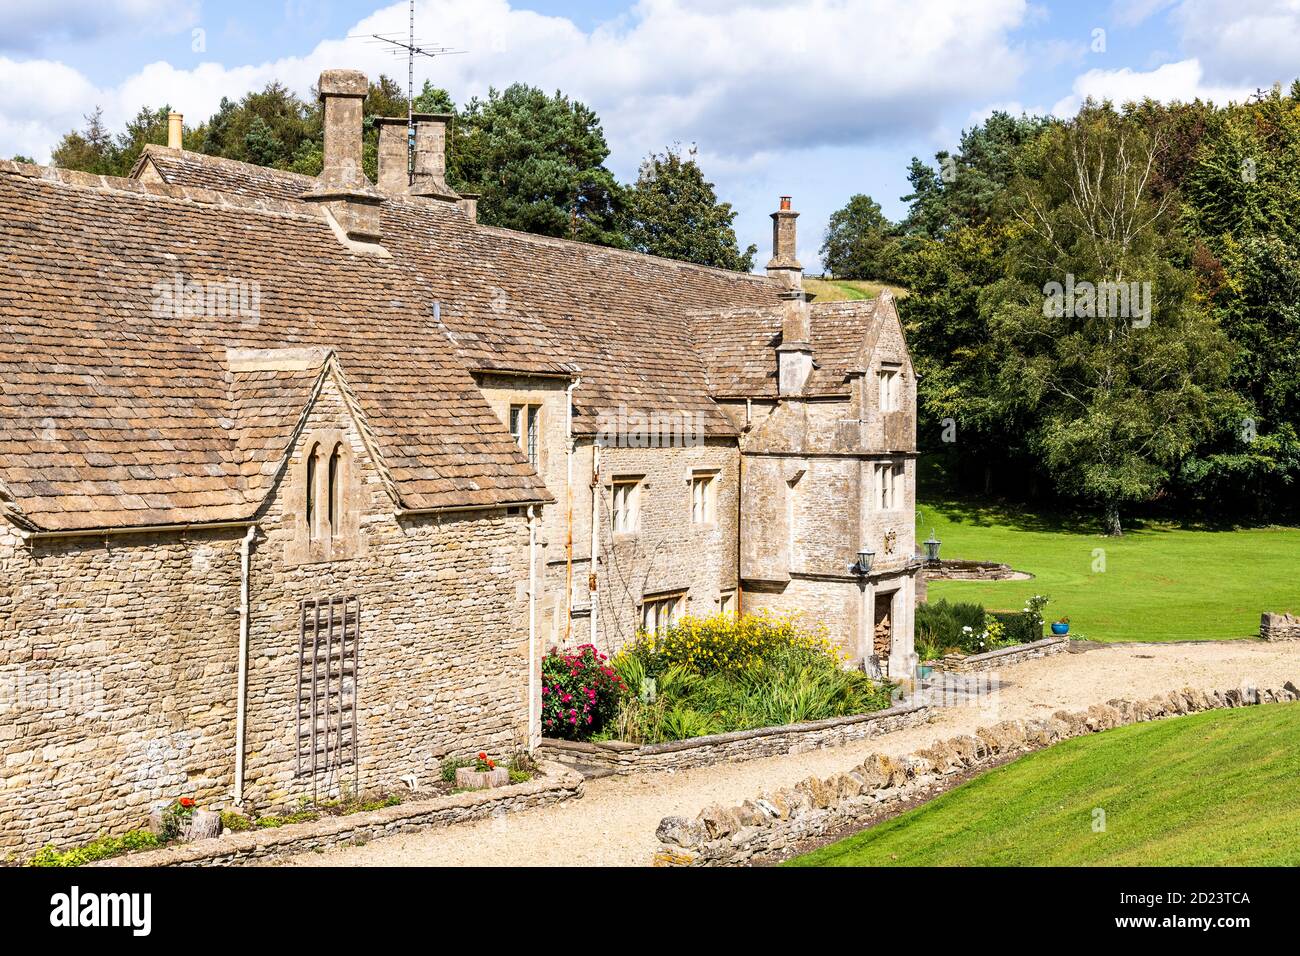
(312, 457)
(335, 489)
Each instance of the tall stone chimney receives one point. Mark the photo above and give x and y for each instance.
(175, 128)
(394, 154)
(343, 190)
(784, 266)
(430, 168)
(794, 355)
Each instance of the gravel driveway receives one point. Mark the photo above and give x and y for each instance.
(614, 823)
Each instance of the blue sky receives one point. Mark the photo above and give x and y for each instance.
(816, 98)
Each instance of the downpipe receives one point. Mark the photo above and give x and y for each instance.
(241, 701)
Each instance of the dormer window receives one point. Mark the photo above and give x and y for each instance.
(335, 489)
(328, 502)
(525, 426)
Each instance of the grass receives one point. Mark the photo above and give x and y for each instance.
(846, 290)
(1213, 789)
(1159, 583)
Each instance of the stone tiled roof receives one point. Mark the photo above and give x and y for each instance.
(737, 347)
(113, 415)
(514, 301)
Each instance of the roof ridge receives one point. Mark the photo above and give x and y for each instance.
(100, 182)
(151, 149)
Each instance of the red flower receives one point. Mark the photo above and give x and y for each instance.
(482, 756)
(186, 802)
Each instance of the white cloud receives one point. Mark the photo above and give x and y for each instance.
(25, 25)
(1182, 81)
(1242, 41)
(736, 77)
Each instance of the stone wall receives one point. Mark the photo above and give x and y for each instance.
(777, 821)
(119, 655)
(553, 784)
(1005, 656)
(1279, 627)
(623, 758)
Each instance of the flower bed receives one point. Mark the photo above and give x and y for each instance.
(704, 677)
(944, 629)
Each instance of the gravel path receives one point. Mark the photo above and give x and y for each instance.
(614, 823)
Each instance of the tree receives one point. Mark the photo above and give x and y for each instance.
(673, 211)
(91, 150)
(537, 162)
(1098, 320)
(859, 242)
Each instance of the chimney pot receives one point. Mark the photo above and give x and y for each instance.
(430, 167)
(343, 189)
(175, 128)
(394, 154)
(784, 266)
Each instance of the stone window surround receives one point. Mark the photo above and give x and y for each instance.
(703, 483)
(666, 606)
(889, 386)
(319, 542)
(625, 505)
(889, 479)
(531, 425)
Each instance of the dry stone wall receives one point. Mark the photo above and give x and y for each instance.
(779, 820)
(1005, 656)
(1279, 627)
(623, 758)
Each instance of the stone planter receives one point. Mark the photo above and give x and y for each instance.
(199, 825)
(467, 778)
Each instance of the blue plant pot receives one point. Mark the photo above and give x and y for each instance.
(1060, 629)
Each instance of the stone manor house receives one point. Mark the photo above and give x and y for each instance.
(301, 477)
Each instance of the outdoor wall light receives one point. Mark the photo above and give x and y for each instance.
(932, 549)
(862, 566)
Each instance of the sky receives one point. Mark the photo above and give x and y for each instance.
(818, 99)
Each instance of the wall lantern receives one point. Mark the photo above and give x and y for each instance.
(932, 549)
(862, 566)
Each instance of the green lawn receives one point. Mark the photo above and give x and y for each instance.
(1158, 583)
(1216, 788)
(843, 290)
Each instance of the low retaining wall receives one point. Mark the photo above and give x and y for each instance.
(776, 821)
(1279, 627)
(951, 569)
(553, 784)
(620, 758)
(1005, 656)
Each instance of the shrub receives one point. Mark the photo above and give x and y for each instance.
(580, 693)
(942, 628)
(447, 770)
(1021, 627)
(789, 685)
(725, 642)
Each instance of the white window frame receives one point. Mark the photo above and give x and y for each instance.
(704, 497)
(890, 379)
(524, 419)
(660, 611)
(625, 505)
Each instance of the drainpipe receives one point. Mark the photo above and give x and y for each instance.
(595, 534)
(568, 488)
(534, 720)
(241, 701)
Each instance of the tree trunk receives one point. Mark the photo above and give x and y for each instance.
(1113, 528)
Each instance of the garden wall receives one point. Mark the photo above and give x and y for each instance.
(1005, 656)
(553, 784)
(780, 820)
(617, 757)
(1279, 627)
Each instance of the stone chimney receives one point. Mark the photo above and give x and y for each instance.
(430, 172)
(175, 127)
(343, 190)
(469, 206)
(394, 154)
(794, 355)
(784, 266)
